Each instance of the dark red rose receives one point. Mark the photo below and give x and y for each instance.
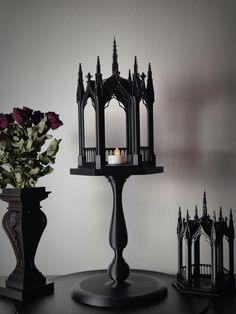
(3, 121)
(22, 115)
(36, 117)
(9, 117)
(53, 120)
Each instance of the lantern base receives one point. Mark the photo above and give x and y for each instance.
(141, 288)
(207, 292)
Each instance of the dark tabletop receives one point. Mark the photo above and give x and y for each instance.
(61, 302)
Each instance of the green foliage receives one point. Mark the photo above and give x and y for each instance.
(22, 161)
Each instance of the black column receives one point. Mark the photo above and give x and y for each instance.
(100, 135)
(82, 157)
(118, 238)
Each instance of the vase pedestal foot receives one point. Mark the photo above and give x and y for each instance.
(97, 289)
(26, 294)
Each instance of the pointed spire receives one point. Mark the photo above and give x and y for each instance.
(80, 73)
(136, 80)
(204, 208)
(231, 226)
(98, 81)
(179, 212)
(98, 66)
(196, 212)
(179, 226)
(129, 76)
(187, 215)
(149, 71)
(150, 88)
(220, 215)
(135, 65)
(114, 58)
(80, 86)
(214, 215)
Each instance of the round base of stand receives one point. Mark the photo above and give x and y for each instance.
(141, 288)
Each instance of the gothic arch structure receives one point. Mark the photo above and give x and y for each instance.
(129, 92)
(194, 277)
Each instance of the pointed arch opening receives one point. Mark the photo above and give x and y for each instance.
(90, 130)
(143, 124)
(115, 126)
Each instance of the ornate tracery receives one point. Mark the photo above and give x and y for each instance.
(194, 277)
(129, 93)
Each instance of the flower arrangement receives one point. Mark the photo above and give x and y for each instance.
(23, 134)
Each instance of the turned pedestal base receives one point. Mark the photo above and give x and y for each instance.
(97, 289)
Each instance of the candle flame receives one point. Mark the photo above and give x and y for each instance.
(117, 152)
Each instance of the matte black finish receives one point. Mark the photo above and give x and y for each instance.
(120, 289)
(116, 170)
(24, 224)
(130, 93)
(62, 303)
(93, 161)
(194, 277)
(141, 289)
(118, 238)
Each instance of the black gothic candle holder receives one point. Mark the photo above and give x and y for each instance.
(193, 277)
(118, 286)
(130, 93)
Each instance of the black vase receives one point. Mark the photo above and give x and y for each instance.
(24, 223)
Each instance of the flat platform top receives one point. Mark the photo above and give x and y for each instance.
(111, 170)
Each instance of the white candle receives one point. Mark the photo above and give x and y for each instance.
(117, 158)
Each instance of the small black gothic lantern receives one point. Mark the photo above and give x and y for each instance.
(130, 93)
(197, 278)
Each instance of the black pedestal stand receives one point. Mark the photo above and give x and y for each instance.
(118, 287)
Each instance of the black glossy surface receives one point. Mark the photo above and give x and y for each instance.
(62, 303)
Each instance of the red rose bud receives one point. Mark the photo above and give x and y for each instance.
(27, 112)
(36, 117)
(53, 120)
(3, 122)
(9, 117)
(22, 115)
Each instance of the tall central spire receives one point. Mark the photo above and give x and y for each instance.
(114, 58)
(204, 209)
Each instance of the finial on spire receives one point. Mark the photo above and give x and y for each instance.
(214, 215)
(204, 209)
(89, 76)
(80, 86)
(129, 76)
(187, 216)
(196, 212)
(150, 88)
(98, 65)
(149, 69)
(179, 212)
(143, 76)
(114, 58)
(220, 216)
(135, 65)
(80, 73)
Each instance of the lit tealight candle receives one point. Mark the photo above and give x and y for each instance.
(117, 158)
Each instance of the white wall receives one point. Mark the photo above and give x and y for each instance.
(191, 45)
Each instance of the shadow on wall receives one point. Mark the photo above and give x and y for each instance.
(201, 126)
